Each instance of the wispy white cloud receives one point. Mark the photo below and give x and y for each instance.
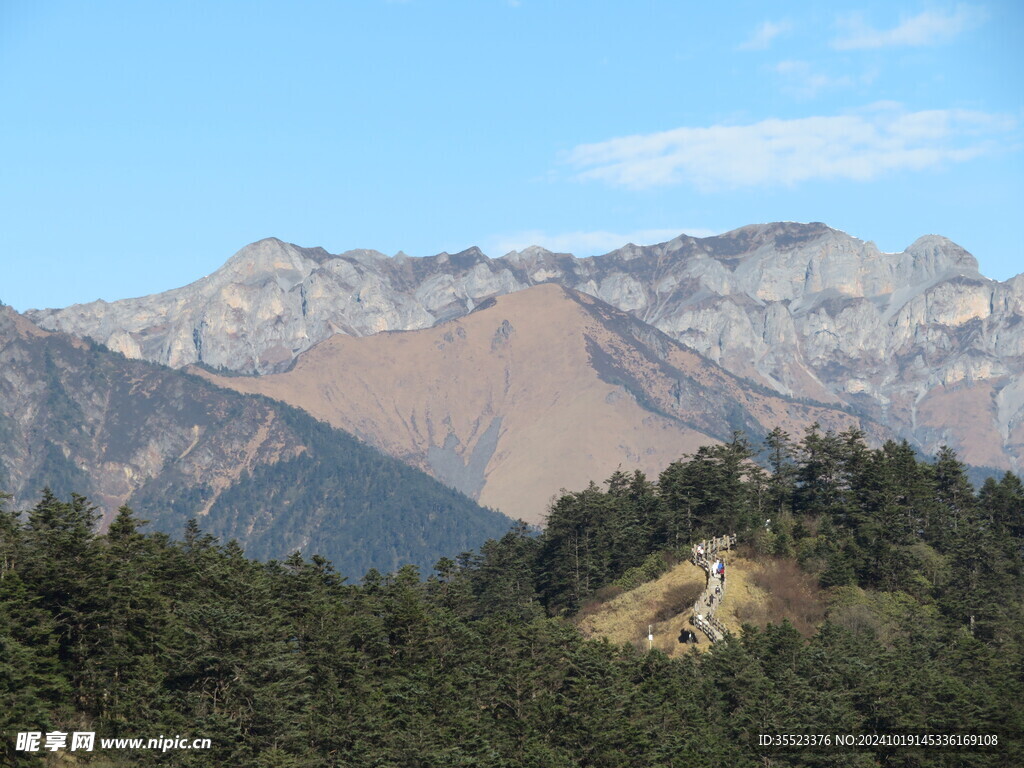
(861, 146)
(765, 33)
(926, 28)
(583, 243)
(804, 81)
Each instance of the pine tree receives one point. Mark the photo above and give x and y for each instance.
(823, 484)
(573, 560)
(780, 453)
(504, 581)
(32, 684)
(63, 566)
(955, 499)
(1003, 503)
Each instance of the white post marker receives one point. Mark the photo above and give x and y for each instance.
(650, 636)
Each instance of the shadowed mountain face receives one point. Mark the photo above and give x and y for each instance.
(78, 418)
(918, 340)
(539, 390)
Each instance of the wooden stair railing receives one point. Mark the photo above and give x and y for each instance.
(704, 614)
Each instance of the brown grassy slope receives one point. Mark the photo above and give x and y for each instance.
(964, 416)
(770, 590)
(758, 592)
(540, 390)
(520, 369)
(625, 618)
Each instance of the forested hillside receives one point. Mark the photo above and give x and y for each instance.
(480, 663)
(339, 498)
(76, 417)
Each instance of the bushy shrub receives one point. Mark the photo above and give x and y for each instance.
(792, 594)
(598, 599)
(677, 599)
(651, 568)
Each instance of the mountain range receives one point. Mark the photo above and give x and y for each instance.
(505, 379)
(918, 341)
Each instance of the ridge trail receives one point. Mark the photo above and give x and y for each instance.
(707, 604)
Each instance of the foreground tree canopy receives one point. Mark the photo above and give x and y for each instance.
(479, 664)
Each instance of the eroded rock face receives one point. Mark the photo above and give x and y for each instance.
(802, 308)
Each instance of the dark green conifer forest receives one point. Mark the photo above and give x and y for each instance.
(285, 664)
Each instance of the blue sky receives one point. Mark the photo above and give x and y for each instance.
(145, 142)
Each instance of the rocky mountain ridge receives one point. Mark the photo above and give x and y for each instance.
(918, 340)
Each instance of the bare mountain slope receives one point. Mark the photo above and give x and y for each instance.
(905, 338)
(535, 391)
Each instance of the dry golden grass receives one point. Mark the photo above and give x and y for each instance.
(770, 590)
(744, 599)
(625, 618)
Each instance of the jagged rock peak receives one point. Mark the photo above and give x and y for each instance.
(939, 250)
(272, 254)
(529, 253)
(532, 257)
(366, 256)
(265, 257)
(782, 235)
(467, 258)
